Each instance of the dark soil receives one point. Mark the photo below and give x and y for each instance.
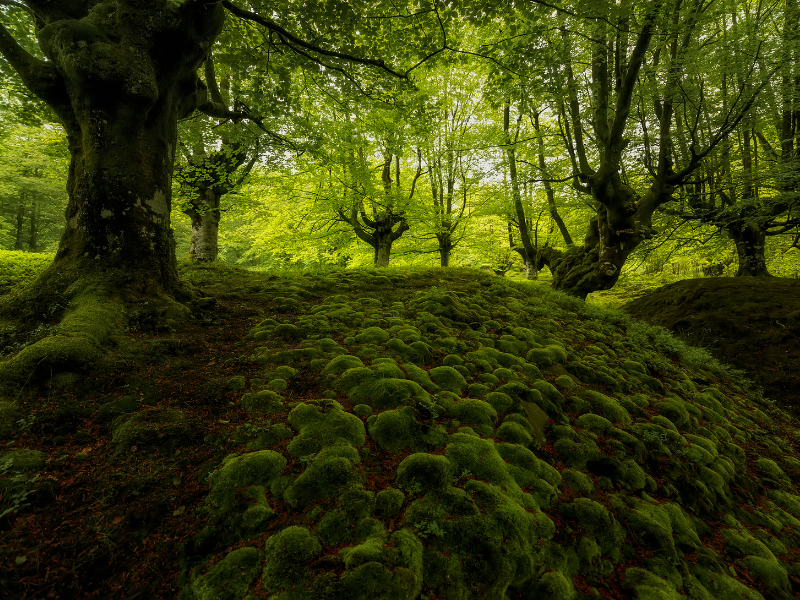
(752, 324)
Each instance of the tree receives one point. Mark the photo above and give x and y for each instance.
(119, 76)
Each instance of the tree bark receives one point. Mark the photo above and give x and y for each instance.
(205, 215)
(750, 241)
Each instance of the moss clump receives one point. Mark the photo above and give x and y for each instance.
(121, 406)
(502, 403)
(230, 578)
(229, 484)
(288, 554)
(327, 476)
(424, 472)
(263, 402)
(388, 502)
(448, 379)
(321, 424)
(394, 430)
(472, 411)
(150, 428)
(372, 335)
(237, 383)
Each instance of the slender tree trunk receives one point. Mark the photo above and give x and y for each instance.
(19, 221)
(205, 216)
(531, 272)
(445, 248)
(33, 227)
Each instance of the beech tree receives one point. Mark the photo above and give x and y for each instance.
(119, 75)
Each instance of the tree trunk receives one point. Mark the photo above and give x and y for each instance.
(750, 242)
(531, 272)
(205, 215)
(383, 248)
(20, 219)
(33, 228)
(445, 248)
(119, 94)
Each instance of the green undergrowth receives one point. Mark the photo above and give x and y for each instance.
(450, 434)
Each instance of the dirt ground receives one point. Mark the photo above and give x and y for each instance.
(752, 324)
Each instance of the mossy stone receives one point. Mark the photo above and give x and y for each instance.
(256, 516)
(230, 579)
(282, 372)
(504, 374)
(448, 378)
(389, 393)
(156, 427)
(477, 390)
(323, 478)
(388, 502)
(277, 385)
(501, 402)
(321, 424)
(260, 468)
(554, 585)
(263, 402)
(566, 382)
(334, 528)
(394, 430)
(475, 412)
(427, 471)
(121, 406)
(578, 482)
(287, 331)
(372, 335)
(513, 434)
(342, 363)
(288, 554)
(452, 360)
(420, 376)
(362, 410)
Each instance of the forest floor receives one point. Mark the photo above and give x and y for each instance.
(98, 516)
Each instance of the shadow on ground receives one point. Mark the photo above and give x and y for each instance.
(752, 324)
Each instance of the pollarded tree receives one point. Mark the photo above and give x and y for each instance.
(119, 75)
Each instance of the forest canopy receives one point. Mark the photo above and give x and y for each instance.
(593, 138)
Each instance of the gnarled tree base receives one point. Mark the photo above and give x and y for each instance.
(90, 310)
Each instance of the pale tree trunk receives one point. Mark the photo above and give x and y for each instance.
(531, 272)
(205, 216)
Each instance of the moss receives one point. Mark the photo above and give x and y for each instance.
(372, 335)
(388, 502)
(474, 412)
(325, 477)
(342, 363)
(501, 402)
(287, 331)
(236, 472)
(115, 408)
(231, 578)
(263, 402)
(513, 433)
(362, 410)
(419, 376)
(75, 345)
(607, 407)
(770, 468)
(448, 378)
(553, 585)
(21, 460)
(452, 360)
(318, 428)
(425, 472)
(390, 393)
(149, 428)
(394, 430)
(578, 482)
(277, 385)
(287, 556)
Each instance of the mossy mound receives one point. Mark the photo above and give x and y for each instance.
(155, 428)
(484, 439)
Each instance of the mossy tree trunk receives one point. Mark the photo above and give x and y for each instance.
(623, 216)
(119, 76)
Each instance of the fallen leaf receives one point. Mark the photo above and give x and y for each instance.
(179, 511)
(116, 520)
(21, 560)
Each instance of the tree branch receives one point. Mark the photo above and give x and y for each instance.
(272, 26)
